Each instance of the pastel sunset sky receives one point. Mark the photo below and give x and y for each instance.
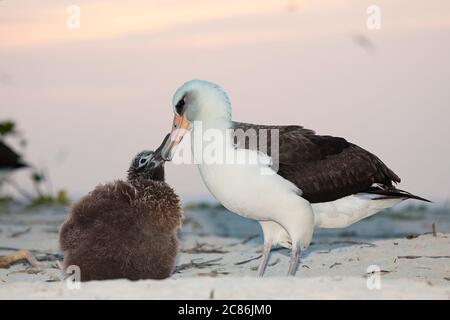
(88, 100)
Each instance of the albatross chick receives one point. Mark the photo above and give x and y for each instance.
(125, 229)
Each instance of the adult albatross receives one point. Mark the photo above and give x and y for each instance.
(321, 181)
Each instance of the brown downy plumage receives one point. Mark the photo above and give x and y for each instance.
(125, 229)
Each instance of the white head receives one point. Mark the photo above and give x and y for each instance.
(197, 100)
(201, 100)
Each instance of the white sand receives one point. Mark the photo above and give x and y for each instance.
(212, 263)
(228, 288)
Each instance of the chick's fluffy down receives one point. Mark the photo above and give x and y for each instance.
(123, 231)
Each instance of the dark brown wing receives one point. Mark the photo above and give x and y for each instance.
(325, 168)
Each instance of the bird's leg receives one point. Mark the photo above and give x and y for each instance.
(268, 229)
(8, 260)
(265, 258)
(295, 259)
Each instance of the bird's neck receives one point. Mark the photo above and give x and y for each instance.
(139, 181)
(213, 124)
(211, 137)
(215, 113)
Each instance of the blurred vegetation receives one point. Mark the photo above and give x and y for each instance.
(4, 200)
(41, 193)
(7, 128)
(59, 199)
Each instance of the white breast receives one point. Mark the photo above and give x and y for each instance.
(247, 189)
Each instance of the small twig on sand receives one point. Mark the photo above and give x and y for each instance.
(433, 228)
(269, 264)
(273, 250)
(40, 255)
(8, 249)
(274, 263)
(418, 257)
(8, 260)
(245, 241)
(382, 272)
(16, 249)
(19, 233)
(27, 270)
(335, 264)
(213, 273)
(348, 242)
(248, 239)
(49, 257)
(414, 236)
(199, 265)
(200, 248)
(248, 260)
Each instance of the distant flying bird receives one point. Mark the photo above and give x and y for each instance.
(365, 42)
(322, 181)
(125, 229)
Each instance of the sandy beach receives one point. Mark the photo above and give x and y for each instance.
(386, 257)
(302, 113)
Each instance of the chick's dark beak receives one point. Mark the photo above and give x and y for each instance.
(157, 158)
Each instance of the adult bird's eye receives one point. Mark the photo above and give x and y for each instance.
(179, 106)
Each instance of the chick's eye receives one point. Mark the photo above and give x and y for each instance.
(142, 161)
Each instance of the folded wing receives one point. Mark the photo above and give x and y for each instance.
(325, 168)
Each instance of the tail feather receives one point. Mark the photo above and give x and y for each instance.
(391, 192)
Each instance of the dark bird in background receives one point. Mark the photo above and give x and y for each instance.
(125, 229)
(9, 162)
(9, 159)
